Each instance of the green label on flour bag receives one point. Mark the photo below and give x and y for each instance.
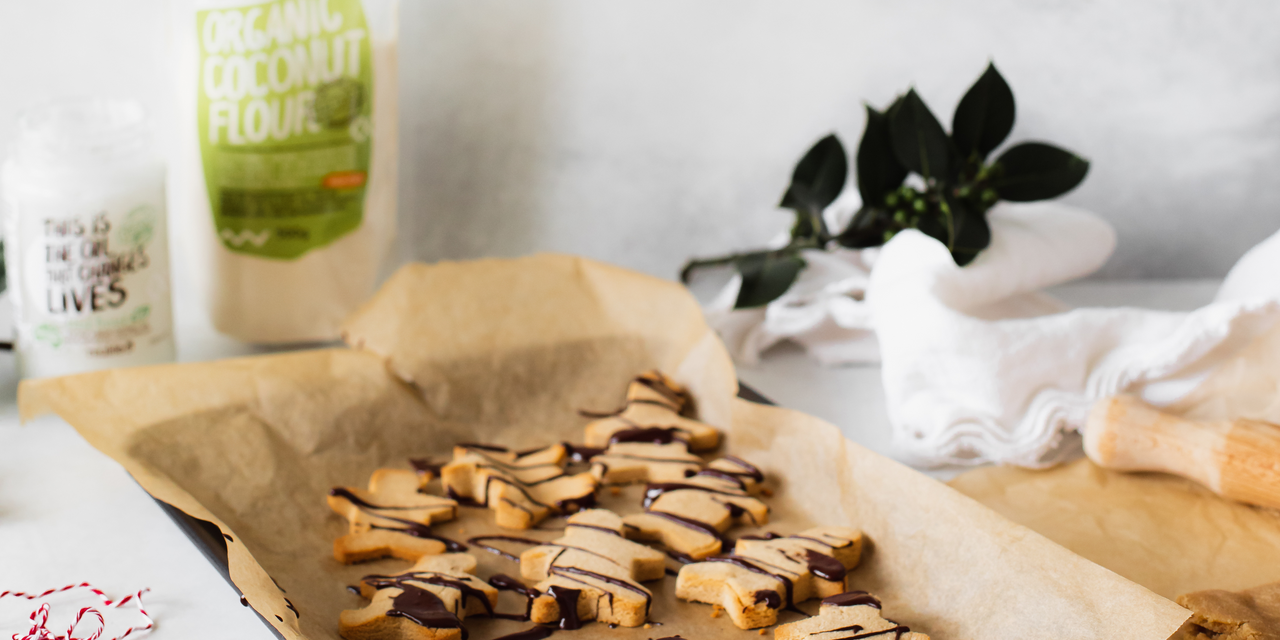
(285, 116)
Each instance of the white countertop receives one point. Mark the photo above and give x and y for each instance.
(69, 514)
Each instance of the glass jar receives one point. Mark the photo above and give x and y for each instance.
(86, 246)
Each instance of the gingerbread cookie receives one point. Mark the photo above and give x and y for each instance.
(652, 386)
(690, 515)
(591, 573)
(744, 471)
(599, 532)
(522, 488)
(1252, 614)
(391, 518)
(652, 413)
(847, 616)
(381, 543)
(428, 602)
(767, 573)
(626, 462)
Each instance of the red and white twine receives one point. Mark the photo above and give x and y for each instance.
(40, 617)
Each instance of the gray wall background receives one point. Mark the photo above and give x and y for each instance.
(645, 131)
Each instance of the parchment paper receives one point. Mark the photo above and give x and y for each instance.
(1168, 534)
(508, 351)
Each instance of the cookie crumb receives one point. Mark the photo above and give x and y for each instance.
(648, 626)
(715, 610)
(615, 491)
(763, 630)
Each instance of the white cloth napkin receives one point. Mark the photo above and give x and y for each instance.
(978, 366)
(970, 379)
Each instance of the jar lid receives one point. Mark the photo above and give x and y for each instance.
(79, 132)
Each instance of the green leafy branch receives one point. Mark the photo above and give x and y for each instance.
(956, 185)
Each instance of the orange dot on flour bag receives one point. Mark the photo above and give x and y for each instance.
(344, 179)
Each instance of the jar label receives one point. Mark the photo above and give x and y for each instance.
(91, 284)
(285, 99)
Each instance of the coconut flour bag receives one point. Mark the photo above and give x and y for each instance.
(285, 167)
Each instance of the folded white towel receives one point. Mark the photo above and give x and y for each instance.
(967, 382)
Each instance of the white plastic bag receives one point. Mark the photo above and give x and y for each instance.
(285, 160)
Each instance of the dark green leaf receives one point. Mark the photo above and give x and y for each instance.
(866, 229)
(819, 177)
(879, 171)
(919, 142)
(984, 116)
(973, 234)
(765, 277)
(1037, 171)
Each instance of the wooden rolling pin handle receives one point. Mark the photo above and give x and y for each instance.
(1237, 459)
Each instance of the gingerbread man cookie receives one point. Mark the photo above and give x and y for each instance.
(522, 488)
(847, 616)
(689, 516)
(392, 518)
(428, 602)
(767, 573)
(591, 573)
(653, 410)
(596, 531)
(626, 462)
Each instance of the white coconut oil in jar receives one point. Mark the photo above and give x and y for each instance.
(85, 240)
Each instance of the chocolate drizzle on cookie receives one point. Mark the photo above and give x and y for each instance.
(568, 572)
(415, 529)
(424, 466)
(724, 488)
(650, 435)
(824, 566)
(506, 473)
(748, 470)
(424, 608)
(582, 525)
(750, 565)
(479, 542)
(581, 453)
(654, 490)
(897, 632)
(369, 507)
(688, 523)
(504, 582)
(852, 599)
(769, 597)
(567, 603)
(432, 577)
(819, 564)
(768, 535)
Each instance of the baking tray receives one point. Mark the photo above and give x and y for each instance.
(207, 537)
